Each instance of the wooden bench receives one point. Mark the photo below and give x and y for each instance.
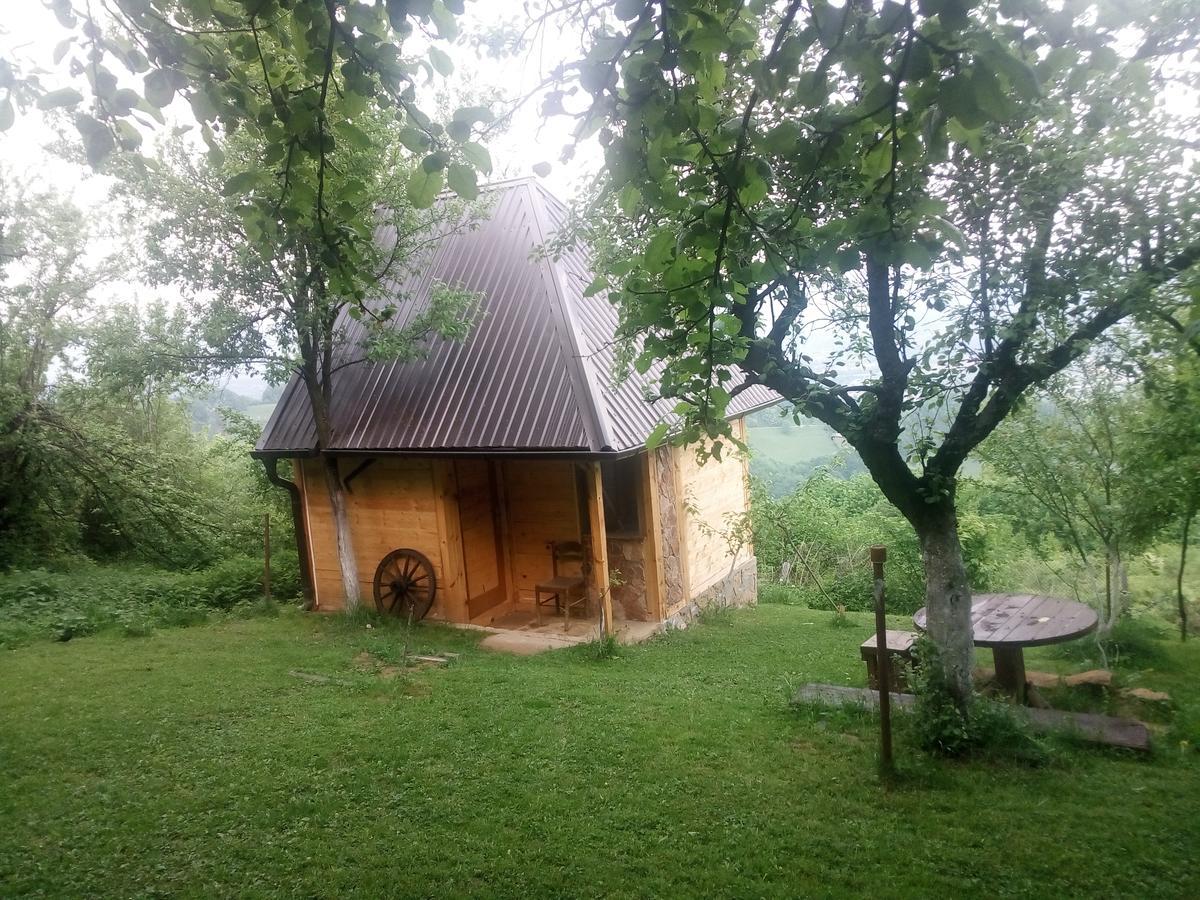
(900, 658)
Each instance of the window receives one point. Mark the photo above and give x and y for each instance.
(623, 496)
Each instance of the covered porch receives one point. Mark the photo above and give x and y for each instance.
(493, 527)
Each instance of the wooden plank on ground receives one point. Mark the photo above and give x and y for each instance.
(1098, 729)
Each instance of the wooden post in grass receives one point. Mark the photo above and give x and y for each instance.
(267, 557)
(878, 558)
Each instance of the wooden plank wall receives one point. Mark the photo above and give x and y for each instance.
(479, 521)
(710, 493)
(543, 506)
(392, 504)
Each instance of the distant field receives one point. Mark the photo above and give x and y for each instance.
(800, 444)
(791, 445)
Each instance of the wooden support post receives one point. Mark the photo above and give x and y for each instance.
(599, 538)
(682, 517)
(656, 575)
(267, 557)
(882, 663)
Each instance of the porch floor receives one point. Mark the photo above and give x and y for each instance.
(518, 632)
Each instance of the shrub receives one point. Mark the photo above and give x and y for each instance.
(1132, 643)
(81, 600)
(823, 531)
(984, 728)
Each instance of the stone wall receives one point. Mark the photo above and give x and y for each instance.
(629, 597)
(669, 516)
(738, 588)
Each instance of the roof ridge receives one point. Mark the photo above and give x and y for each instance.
(595, 414)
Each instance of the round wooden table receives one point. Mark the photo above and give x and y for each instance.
(1007, 623)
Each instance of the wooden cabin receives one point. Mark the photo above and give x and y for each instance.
(490, 454)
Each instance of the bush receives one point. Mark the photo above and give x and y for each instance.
(86, 598)
(1132, 643)
(985, 728)
(823, 532)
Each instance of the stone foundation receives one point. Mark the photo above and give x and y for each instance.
(738, 588)
(629, 597)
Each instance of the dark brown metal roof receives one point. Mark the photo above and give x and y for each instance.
(535, 375)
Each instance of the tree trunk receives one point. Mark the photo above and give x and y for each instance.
(1188, 515)
(1116, 588)
(947, 597)
(1121, 600)
(341, 527)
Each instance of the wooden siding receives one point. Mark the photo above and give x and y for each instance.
(487, 526)
(478, 518)
(392, 503)
(712, 495)
(543, 506)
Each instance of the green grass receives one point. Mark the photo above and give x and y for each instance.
(191, 763)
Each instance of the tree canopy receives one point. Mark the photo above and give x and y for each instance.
(955, 198)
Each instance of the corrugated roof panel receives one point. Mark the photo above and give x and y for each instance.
(535, 373)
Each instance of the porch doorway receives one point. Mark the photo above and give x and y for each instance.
(478, 514)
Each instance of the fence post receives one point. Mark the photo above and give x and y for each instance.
(882, 663)
(267, 557)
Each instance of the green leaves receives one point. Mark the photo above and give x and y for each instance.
(159, 88)
(477, 156)
(59, 98)
(953, 13)
(462, 180)
(423, 187)
(7, 115)
(629, 199)
(659, 250)
(240, 183)
(414, 139)
(354, 136)
(472, 114)
(658, 435)
(441, 61)
(628, 9)
(541, 169)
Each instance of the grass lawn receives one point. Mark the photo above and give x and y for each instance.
(191, 763)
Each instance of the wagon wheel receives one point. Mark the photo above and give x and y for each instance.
(405, 584)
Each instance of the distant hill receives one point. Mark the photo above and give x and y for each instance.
(783, 453)
(206, 408)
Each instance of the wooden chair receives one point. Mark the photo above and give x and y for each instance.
(566, 591)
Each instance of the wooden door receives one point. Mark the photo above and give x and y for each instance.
(477, 512)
